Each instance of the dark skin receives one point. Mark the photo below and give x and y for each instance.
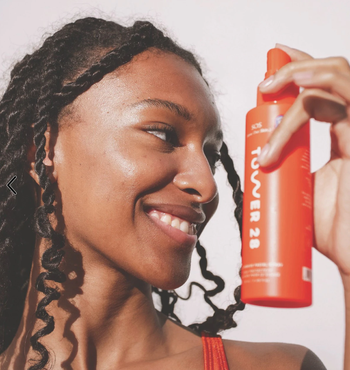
(107, 165)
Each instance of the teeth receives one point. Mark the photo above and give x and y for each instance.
(184, 226)
(166, 219)
(175, 223)
(154, 214)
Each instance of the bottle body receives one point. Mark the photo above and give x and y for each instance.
(277, 216)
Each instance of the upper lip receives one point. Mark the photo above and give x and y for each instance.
(186, 213)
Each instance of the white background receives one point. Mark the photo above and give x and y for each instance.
(231, 39)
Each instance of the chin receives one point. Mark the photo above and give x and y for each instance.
(171, 281)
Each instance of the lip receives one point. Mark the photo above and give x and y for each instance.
(182, 238)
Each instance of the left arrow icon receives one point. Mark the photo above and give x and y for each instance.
(9, 184)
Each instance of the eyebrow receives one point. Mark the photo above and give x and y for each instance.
(176, 108)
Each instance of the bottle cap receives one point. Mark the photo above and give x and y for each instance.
(276, 59)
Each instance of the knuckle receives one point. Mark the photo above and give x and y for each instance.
(291, 66)
(341, 62)
(286, 70)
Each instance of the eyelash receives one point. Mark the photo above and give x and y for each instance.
(172, 133)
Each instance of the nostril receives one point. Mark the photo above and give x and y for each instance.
(191, 191)
(200, 185)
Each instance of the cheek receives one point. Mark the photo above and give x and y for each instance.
(209, 209)
(100, 191)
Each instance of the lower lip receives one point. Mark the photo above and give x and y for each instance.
(176, 234)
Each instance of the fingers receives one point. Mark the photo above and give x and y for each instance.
(295, 54)
(310, 67)
(331, 80)
(326, 96)
(340, 138)
(309, 104)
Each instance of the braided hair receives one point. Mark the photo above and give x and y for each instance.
(68, 63)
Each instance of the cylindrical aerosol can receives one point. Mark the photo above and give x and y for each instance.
(277, 206)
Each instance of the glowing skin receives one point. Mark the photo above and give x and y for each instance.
(107, 168)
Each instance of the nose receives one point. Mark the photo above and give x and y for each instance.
(195, 176)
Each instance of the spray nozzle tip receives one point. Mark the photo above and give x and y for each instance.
(276, 59)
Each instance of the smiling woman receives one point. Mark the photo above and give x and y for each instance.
(112, 199)
(127, 136)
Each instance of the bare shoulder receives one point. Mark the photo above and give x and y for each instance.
(267, 356)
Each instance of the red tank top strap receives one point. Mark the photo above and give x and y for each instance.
(214, 352)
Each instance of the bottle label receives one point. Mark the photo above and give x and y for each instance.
(277, 212)
(254, 232)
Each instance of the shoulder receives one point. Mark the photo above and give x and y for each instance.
(267, 356)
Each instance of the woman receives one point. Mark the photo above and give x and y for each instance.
(114, 136)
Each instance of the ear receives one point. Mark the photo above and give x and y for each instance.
(48, 161)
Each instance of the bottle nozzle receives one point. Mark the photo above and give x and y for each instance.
(276, 59)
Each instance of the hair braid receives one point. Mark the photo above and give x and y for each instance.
(16, 229)
(51, 257)
(167, 307)
(235, 182)
(17, 110)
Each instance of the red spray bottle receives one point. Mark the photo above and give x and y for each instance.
(277, 206)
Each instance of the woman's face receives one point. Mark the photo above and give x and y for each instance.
(115, 172)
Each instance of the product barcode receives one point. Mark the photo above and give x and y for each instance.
(307, 274)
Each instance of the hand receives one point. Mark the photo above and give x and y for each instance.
(326, 97)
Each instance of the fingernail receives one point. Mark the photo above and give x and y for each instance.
(264, 154)
(303, 77)
(278, 45)
(267, 82)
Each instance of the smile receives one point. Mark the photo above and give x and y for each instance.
(175, 222)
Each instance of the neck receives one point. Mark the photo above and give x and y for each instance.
(97, 318)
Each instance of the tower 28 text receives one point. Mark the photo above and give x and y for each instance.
(254, 233)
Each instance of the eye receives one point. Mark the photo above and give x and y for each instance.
(160, 134)
(164, 132)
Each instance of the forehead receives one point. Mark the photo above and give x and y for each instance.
(163, 72)
(149, 76)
